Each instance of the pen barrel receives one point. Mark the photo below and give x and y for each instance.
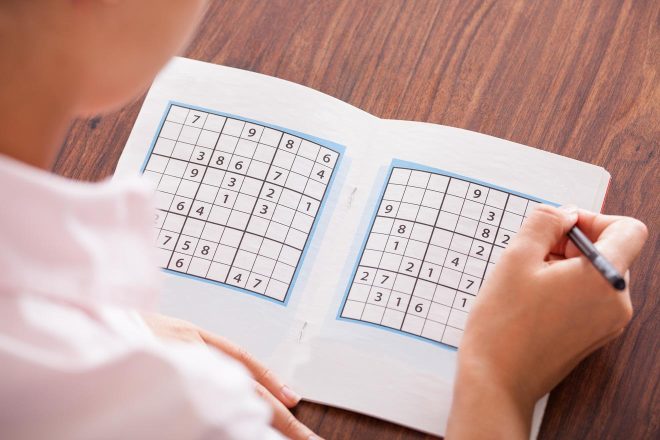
(583, 244)
(608, 271)
(601, 264)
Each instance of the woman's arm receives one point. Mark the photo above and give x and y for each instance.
(540, 312)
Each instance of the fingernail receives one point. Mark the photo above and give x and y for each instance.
(313, 437)
(571, 211)
(289, 394)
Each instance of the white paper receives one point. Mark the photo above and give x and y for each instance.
(340, 363)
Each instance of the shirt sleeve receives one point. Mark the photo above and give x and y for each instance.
(73, 375)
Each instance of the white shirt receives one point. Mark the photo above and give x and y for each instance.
(76, 360)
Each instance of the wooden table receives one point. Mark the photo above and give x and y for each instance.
(578, 78)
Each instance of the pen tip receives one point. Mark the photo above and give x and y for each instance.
(620, 284)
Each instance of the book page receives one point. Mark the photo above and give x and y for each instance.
(248, 171)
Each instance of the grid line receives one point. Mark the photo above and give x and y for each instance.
(293, 224)
(445, 299)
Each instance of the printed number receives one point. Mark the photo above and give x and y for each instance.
(194, 172)
(200, 211)
(402, 229)
(252, 132)
(195, 118)
(309, 206)
(485, 233)
(181, 206)
(464, 301)
(289, 144)
(469, 284)
(491, 216)
(326, 158)
(410, 267)
(396, 245)
(476, 194)
(220, 160)
(365, 276)
(385, 278)
(264, 209)
(277, 175)
(232, 182)
(201, 155)
(398, 301)
(430, 272)
(418, 308)
(238, 165)
(388, 209)
(237, 278)
(226, 196)
(258, 281)
(455, 261)
(321, 174)
(205, 250)
(507, 237)
(167, 239)
(481, 250)
(271, 192)
(179, 262)
(186, 245)
(379, 296)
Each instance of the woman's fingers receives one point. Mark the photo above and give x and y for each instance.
(542, 233)
(262, 374)
(620, 239)
(283, 420)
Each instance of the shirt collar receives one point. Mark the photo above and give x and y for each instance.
(74, 240)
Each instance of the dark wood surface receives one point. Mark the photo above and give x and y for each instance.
(578, 78)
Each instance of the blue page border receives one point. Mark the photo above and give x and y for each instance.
(397, 163)
(338, 148)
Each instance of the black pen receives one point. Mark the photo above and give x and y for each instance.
(600, 263)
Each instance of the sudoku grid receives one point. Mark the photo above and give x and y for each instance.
(237, 200)
(432, 240)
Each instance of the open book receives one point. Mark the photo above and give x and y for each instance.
(343, 250)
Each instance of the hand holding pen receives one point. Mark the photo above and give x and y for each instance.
(542, 309)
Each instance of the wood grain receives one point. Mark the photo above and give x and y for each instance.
(578, 78)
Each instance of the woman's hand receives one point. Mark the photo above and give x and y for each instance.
(541, 311)
(268, 386)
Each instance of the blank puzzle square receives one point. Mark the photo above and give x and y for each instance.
(431, 241)
(237, 200)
